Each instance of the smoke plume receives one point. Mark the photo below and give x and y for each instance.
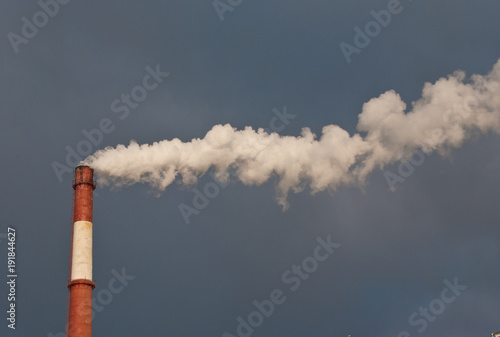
(448, 113)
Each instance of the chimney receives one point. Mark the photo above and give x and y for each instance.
(80, 283)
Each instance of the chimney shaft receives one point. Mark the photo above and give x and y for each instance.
(80, 284)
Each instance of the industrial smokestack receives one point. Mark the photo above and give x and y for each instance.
(80, 284)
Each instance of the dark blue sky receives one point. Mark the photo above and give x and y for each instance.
(399, 250)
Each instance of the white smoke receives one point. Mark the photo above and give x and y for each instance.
(449, 112)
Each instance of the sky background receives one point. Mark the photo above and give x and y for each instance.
(397, 248)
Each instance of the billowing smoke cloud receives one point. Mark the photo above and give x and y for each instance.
(449, 112)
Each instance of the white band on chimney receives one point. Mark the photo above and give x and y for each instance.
(81, 266)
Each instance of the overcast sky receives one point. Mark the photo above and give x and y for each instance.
(393, 252)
